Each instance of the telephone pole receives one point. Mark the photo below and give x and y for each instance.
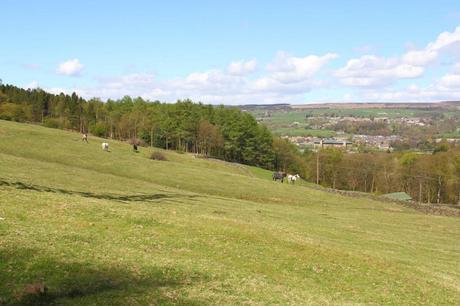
(420, 191)
(317, 167)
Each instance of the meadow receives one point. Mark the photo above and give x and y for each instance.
(301, 131)
(116, 228)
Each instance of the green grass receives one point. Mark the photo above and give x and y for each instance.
(300, 131)
(455, 134)
(368, 112)
(118, 228)
(280, 123)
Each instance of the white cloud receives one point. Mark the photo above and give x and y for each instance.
(134, 84)
(59, 90)
(445, 40)
(451, 80)
(71, 67)
(413, 93)
(456, 67)
(419, 57)
(32, 85)
(290, 79)
(287, 82)
(373, 71)
(242, 68)
(347, 97)
(410, 65)
(445, 88)
(291, 76)
(288, 68)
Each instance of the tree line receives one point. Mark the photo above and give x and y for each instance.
(426, 177)
(221, 132)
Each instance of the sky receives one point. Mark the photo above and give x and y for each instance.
(235, 52)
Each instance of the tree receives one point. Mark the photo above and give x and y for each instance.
(330, 160)
(209, 138)
(407, 162)
(457, 174)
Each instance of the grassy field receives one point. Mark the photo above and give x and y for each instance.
(370, 112)
(280, 123)
(450, 135)
(300, 131)
(116, 228)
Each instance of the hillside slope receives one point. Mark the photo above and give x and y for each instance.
(118, 228)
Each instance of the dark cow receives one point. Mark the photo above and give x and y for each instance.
(279, 176)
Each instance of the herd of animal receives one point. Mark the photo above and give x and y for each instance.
(105, 145)
(282, 175)
(277, 176)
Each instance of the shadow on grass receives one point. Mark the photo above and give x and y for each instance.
(105, 196)
(89, 283)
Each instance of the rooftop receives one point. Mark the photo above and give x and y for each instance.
(402, 196)
(332, 141)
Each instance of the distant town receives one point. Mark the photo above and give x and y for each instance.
(356, 127)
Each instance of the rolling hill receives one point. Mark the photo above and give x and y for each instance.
(118, 228)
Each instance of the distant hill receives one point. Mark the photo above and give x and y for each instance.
(408, 105)
(358, 105)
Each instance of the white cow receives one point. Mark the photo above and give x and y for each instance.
(105, 146)
(293, 178)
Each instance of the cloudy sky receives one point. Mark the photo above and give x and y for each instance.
(235, 52)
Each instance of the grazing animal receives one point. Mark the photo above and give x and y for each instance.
(135, 147)
(84, 137)
(279, 176)
(105, 146)
(293, 178)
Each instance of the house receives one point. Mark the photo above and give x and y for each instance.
(331, 143)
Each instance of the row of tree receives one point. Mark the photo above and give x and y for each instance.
(427, 178)
(220, 132)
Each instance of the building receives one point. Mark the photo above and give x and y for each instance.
(331, 143)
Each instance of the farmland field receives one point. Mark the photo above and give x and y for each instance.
(299, 131)
(107, 228)
(282, 121)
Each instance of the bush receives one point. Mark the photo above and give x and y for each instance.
(158, 156)
(99, 129)
(52, 123)
(441, 148)
(10, 111)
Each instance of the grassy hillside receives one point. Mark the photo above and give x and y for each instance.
(118, 228)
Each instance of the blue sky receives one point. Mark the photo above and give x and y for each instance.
(235, 52)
